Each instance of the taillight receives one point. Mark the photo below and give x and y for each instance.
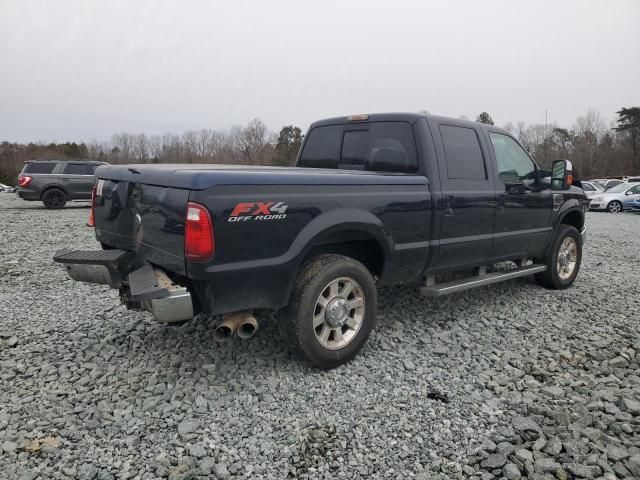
(23, 181)
(92, 218)
(199, 242)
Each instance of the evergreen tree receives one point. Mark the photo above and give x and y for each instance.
(629, 121)
(484, 117)
(287, 145)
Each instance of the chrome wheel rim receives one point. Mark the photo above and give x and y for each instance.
(338, 313)
(567, 258)
(614, 207)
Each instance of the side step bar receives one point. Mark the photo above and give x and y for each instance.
(438, 290)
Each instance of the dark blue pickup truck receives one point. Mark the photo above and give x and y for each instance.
(373, 200)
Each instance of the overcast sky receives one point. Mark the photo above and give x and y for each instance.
(84, 70)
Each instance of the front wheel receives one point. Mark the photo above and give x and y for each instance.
(332, 310)
(563, 261)
(614, 207)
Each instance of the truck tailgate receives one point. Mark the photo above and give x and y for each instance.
(147, 219)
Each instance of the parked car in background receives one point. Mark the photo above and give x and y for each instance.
(55, 182)
(633, 180)
(635, 205)
(617, 198)
(607, 183)
(592, 189)
(6, 188)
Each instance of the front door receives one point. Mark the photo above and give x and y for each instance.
(523, 218)
(467, 209)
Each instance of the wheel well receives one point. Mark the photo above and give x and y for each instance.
(358, 245)
(53, 187)
(573, 218)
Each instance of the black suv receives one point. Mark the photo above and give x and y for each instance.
(55, 182)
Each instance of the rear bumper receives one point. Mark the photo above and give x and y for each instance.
(27, 194)
(141, 285)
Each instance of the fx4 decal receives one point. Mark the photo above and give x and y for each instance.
(258, 211)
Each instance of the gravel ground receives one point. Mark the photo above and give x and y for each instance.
(501, 382)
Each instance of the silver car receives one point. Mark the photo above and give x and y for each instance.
(592, 189)
(617, 198)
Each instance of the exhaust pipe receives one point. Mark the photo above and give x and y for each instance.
(241, 322)
(248, 327)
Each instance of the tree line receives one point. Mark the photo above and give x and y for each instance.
(595, 148)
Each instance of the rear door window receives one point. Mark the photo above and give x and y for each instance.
(39, 167)
(375, 146)
(79, 169)
(463, 153)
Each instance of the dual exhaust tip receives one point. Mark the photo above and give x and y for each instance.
(243, 324)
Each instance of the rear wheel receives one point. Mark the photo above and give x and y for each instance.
(332, 310)
(614, 207)
(54, 198)
(563, 261)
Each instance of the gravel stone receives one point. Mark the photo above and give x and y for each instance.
(188, 426)
(496, 460)
(553, 392)
(546, 465)
(583, 471)
(631, 406)
(616, 453)
(197, 450)
(521, 368)
(553, 446)
(511, 471)
(9, 447)
(633, 465)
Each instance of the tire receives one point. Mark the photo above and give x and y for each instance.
(340, 331)
(614, 207)
(54, 198)
(563, 261)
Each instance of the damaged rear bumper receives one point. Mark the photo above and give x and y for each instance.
(141, 285)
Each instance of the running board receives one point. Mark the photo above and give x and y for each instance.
(438, 290)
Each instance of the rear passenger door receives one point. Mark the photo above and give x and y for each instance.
(468, 205)
(78, 179)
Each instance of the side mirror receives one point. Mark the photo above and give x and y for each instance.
(561, 175)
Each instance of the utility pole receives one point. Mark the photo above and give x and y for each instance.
(546, 134)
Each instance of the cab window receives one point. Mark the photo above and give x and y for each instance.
(375, 146)
(514, 164)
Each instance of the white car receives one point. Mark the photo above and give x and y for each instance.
(617, 198)
(591, 189)
(6, 188)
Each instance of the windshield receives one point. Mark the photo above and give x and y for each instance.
(619, 188)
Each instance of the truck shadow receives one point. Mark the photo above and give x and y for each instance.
(404, 318)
